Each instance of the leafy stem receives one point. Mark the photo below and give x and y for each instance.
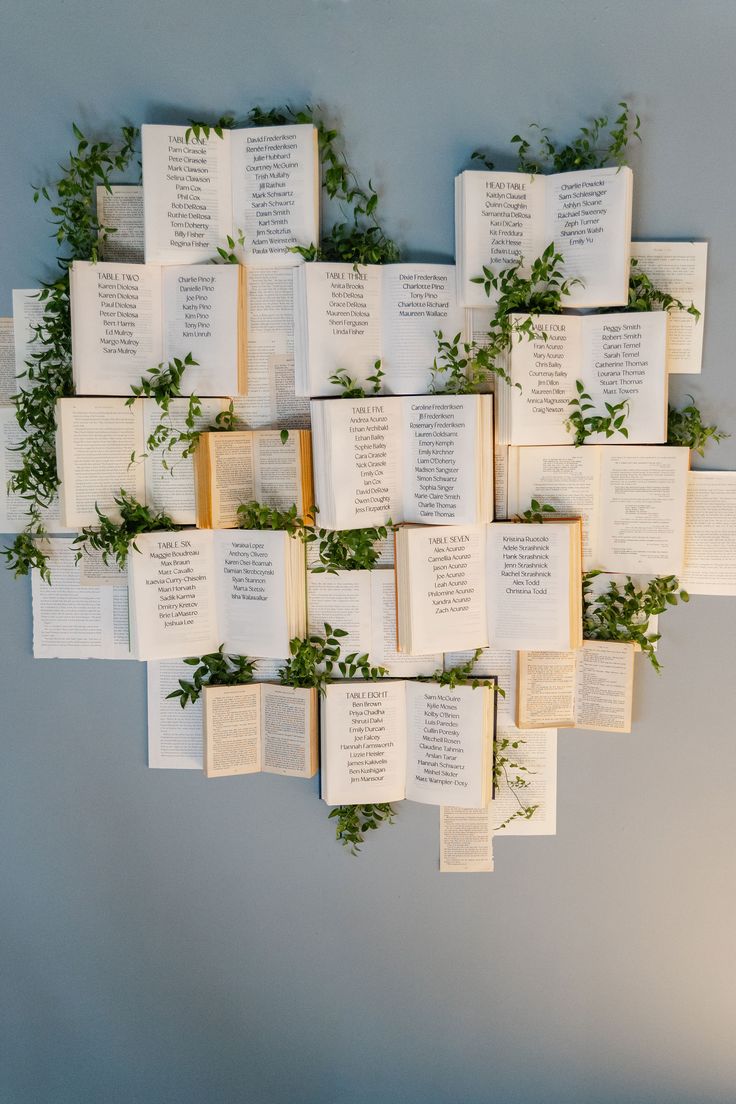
(584, 425)
(216, 669)
(536, 512)
(349, 549)
(597, 145)
(351, 389)
(114, 539)
(686, 427)
(622, 612)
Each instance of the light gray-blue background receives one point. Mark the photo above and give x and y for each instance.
(165, 939)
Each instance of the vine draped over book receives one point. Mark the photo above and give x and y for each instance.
(394, 522)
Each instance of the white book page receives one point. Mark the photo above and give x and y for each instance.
(502, 215)
(547, 689)
(343, 600)
(383, 649)
(625, 358)
(200, 310)
(710, 533)
(93, 571)
(500, 662)
(564, 477)
(604, 686)
(642, 518)
(187, 195)
(95, 440)
(232, 743)
(174, 734)
(442, 467)
(678, 268)
(537, 752)
(466, 840)
(447, 594)
(343, 323)
(268, 670)
(546, 371)
(278, 471)
(445, 745)
(363, 742)
(172, 595)
(75, 622)
(120, 211)
(275, 191)
(417, 300)
(8, 384)
(589, 219)
(13, 508)
(286, 715)
(528, 585)
(28, 311)
(169, 476)
(251, 591)
(116, 325)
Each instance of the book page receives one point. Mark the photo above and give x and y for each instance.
(678, 268)
(8, 384)
(174, 734)
(93, 571)
(14, 508)
(546, 371)
(501, 663)
(466, 840)
(363, 743)
(75, 622)
(28, 312)
(120, 211)
(343, 600)
(546, 689)
(589, 220)
(275, 191)
(187, 194)
(232, 743)
(172, 595)
(605, 686)
(418, 300)
(528, 586)
(642, 518)
(442, 467)
(383, 648)
(561, 476)
(278, 471)
(251, 591)
(96, 438)
(447, 593)
(116, 325)
(343, 323)
(200, 312)
(447, 745)
(169, 476)
(537, 753)
(710, 533)
(286, 730)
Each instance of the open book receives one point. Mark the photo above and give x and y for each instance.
(346, 318)
(126, 319)
(363, 604)
(385, 741)
(504, 217)
(425, 459)
(591, 687)
(191, 591)
(516, 585)
(617, 357)
(242, 465)
(631, 499)
(262, 182)
(260, 727)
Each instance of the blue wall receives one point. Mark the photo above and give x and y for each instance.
(168, 940)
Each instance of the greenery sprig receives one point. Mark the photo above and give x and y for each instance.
(645, 296)
(27, 552)
(597, 145)
(584, 425)
(351, 389)
(349, 549)
(216, 669)
(114, 539)
(622, 612)
(254, 515)
(686, 427)
(162, 384)
(462, 675)
(353, 821)
(536, 512)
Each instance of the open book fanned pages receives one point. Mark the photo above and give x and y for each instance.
(260, 727)
(590, 687)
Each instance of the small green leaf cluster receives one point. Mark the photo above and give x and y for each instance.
(314, 659)
(26, 552)
(227, 253)
(536, 512)
(350, 389)
(199, 130)
(593, 148)
(353, 821)
(216, 669)
(254, 515)
(114, 539)
(584, 425)
(685, 427)
(622, 612)
(462, 675)
(644, 296)
(348, 549)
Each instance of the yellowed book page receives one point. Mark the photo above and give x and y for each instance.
(233, 480)
(286, 730)
(546, 689)
(466, 840)
(604, 686)
(678, 268)
(277, 467)
(536, 752)
(8, 384)
(710, 533)
(232, 743)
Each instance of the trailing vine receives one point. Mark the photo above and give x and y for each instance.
(622, 612)
(351, 389)
(162, 384)
(584, 425)
(644, 296)
(686, 427)
(216, 669)
(254, 515)
(600, 144)
(114, 539)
